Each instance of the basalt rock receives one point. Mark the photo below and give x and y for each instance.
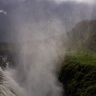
(2, 63)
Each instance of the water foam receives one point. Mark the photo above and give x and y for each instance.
(8, 87)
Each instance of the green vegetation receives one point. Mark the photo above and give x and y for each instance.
(78, 70)
(78, 74)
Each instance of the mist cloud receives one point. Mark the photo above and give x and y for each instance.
(78, 1)
(20, 12)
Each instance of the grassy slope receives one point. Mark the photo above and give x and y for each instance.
(78, 71)
(78, 74)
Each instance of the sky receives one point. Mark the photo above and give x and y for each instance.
(78, 1)
(33, 14)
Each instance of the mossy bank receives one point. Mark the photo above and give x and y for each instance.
(78, 74)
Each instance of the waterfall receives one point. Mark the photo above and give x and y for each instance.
(8, 86)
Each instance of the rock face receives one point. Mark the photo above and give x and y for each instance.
(2, 63)
(83, 34)
(78, 75)
(78, 70)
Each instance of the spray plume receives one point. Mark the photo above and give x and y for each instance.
(38, 38)
(39, 25)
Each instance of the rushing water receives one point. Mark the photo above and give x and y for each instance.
(8, 87)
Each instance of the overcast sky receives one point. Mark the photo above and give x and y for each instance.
(34, 14)
(78, 1)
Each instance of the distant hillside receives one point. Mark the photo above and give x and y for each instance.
(9, 50)
(83, 34)
(78, 70)
(5, 48)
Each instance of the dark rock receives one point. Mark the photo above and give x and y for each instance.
(2, 63)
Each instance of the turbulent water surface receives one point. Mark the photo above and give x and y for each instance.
(8, 87)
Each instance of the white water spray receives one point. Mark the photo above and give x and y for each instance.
(39, 45)
(8, 87)
(38, 59)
